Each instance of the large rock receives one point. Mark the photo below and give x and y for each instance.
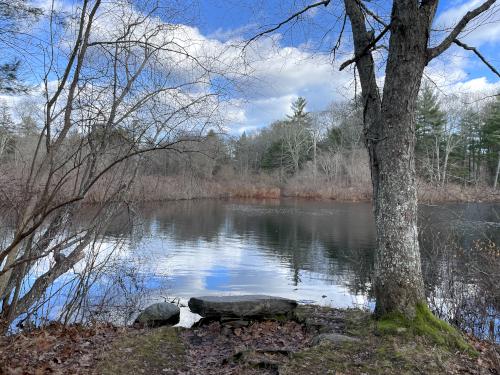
(249, 306)
(159, 314)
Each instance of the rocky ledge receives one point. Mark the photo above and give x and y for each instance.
(246, 306)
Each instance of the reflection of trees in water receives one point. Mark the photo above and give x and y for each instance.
(185, 220)
(335, 243)
(461, 265)
(336, 246)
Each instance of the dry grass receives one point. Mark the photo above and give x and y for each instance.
(328, 190)
(165, 188)
(261, 186)
(429, 193)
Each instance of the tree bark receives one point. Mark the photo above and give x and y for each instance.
(438, 158)
(390, 139)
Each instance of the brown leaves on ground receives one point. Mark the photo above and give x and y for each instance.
(238, 347)
(258, 348)
(55, 349)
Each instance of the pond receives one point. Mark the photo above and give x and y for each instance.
(318, 252)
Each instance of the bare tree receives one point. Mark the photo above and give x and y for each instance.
(389, 127)
(128, 81)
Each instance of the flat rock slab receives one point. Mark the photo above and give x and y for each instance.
(159, 314)
(248, 306)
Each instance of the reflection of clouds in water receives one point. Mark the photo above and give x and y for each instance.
(233, 264)
(295, 249)
(316, 252)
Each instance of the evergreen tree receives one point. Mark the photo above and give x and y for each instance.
(471, 126)
(491, 139)
(299, 110)
(297, 137)
(430, 120)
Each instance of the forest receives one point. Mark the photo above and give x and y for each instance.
(306, 154)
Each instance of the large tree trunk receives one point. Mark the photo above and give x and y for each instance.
(390, 138)
(398, 277)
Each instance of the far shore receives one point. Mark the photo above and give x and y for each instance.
(158, 189)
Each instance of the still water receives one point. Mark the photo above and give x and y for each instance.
(313, 251)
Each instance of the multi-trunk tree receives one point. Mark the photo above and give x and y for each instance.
(389, 130)
(390, 137)
(112, 92)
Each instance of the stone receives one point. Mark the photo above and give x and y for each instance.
(246, 306)
(333, 338)
(159, 314)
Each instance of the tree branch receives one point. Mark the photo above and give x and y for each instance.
(473, 49)
(469, 16)
(370, 13)
(367, 48)
(296, 14)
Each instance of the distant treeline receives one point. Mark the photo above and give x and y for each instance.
(306, 154)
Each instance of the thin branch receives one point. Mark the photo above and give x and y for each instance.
(282, 23)
(469, 16)
(473, 49)
(367, 48)
(339, 39)
(370, 13)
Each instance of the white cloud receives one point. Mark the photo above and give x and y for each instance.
(451, 73)
(260, 84)
(476, 86)
(484, 29)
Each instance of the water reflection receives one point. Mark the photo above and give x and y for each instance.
(302, 250)
(318, 252)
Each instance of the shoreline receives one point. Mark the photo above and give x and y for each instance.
(317, 340)
(153, 189)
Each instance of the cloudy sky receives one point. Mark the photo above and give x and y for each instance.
(297, 69)
(297, 59)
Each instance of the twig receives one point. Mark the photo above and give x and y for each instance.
(295, 15)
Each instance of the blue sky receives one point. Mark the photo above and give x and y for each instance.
(316, 78)
(296, 60)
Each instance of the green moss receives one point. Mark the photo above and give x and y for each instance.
(373, 356)
(424, 324)
(158, 350)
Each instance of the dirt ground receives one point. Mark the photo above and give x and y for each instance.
(244, 347)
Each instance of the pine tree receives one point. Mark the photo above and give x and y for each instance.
(297, 134)
(491, 139)
(430, 120)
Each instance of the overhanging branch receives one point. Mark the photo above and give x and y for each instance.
(469, 16)
(367, 48)
(375, 16)
(478, 54)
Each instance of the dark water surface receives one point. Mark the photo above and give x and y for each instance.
(313, 251)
